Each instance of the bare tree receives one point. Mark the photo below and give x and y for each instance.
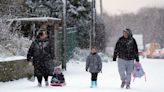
(148, 21)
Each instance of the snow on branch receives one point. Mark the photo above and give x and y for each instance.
(11, 43)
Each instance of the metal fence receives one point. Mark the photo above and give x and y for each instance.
(70, 44)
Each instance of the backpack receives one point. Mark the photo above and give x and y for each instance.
(138, 72)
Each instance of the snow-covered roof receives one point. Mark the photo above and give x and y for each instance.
(36, 19)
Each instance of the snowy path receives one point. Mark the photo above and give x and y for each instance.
(79, 81)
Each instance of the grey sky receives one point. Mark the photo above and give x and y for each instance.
(124, 6)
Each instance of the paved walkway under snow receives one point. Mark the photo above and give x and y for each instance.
(108, 81)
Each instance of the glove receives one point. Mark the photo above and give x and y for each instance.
(28, 59)
(114, 59)
(137, 63)
(100, 71)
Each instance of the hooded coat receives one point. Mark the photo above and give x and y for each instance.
(126, 48)
(40, 52)
(94, 63)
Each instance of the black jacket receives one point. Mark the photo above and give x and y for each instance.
(40, 53)
(126, 48)
(58, 78)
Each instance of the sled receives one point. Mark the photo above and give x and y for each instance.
(58, 84)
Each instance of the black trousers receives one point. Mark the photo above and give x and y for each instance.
(40, 78)
(94, 76)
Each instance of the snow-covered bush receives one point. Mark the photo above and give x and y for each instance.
(11, 43)
(80, 55)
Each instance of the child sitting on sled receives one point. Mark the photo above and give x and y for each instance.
(58, 77)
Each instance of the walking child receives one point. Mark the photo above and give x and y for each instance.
(94, 66)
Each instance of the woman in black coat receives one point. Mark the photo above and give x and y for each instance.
(40, 52)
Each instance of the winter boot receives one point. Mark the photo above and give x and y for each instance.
(39, 85)
(46, 83)
(93, 84)
(127, 85)
(123, 84)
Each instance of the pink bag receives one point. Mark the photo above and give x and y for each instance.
(138, 71)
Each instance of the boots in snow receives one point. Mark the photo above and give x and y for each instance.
(46, 83)
(127, 85)
(123, 84)
(39, 85)
(93, 84)
(96, 83)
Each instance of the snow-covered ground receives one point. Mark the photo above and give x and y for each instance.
(108, 81)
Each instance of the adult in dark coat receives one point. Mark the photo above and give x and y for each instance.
(40, 52)
(94, 66)
(127, 51)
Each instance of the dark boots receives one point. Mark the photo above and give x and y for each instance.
(125, 83)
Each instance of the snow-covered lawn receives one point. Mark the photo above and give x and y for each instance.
(108, 81)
